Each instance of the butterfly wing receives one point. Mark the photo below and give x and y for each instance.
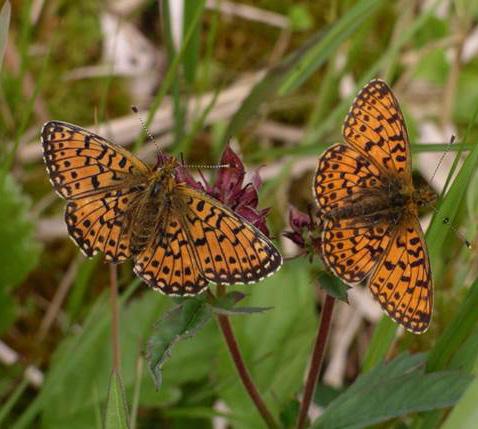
(169, 264)
(352, 247)
(99, 180)
(376, 128)
(201, 241)
(228, 249)
(343, 177)
(402, 281)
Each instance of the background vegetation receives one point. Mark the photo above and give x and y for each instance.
(274, 78)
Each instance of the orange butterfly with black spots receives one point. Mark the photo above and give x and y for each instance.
(369, 209)
(179, 238)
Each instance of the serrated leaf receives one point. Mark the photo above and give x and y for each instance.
(182, 322)
(392, 390)
(333, 286)
(229, 300)
(225, 305)
(116, 413)
(20, 253)
(4, 25)
(238, 311)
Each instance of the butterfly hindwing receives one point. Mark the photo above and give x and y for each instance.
(169, 264)
(352, 247)
(402, 281)
(99, 223)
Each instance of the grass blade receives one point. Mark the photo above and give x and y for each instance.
(4, 26)
(299, 65)
(116, 415)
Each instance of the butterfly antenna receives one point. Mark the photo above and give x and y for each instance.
(452, 140)
(204, 166)
(446, 220)
(201, 166)
(146, 130)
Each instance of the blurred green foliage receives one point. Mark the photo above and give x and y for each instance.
(303, 89)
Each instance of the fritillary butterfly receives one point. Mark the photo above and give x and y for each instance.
(179, 238)
(369, 209)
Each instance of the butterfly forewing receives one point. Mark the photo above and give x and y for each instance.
(100, 180)
(375, 126)
(343, 176)
(228, 249)
(81, 163)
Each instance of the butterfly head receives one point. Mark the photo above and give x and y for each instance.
(165, 161)
(423, 194)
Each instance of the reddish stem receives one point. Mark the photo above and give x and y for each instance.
(243, 372)
(317, 359)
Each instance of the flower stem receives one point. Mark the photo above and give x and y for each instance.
(115, 341)
(317, 359)
(243, 372)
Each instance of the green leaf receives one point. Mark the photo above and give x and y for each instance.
(17, 229)
(333, 286)
(4, 25)
(226, 305)
(116, 414)
(465, 413)
(182, 322)
(288, 415)
(383, 336)
(300, 64)
(392, 390)
(83, 360)
(325, 394)
(464, 324)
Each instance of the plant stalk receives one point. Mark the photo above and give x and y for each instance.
(317, 359)
(241, 368)
(115, 336)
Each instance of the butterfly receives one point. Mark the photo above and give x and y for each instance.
(368, 206)
(179, 238)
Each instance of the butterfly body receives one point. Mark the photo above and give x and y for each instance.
(179, 238)
(369, 205)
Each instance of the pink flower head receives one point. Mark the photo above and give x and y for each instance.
(305, 231)
(230, 189)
